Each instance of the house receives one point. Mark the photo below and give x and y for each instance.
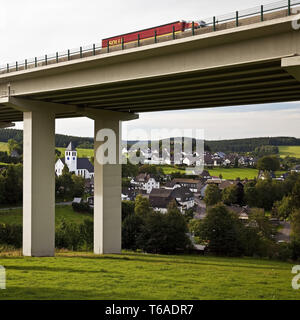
(89, 185)
(80, 166)
(205, 175)
(145, 181)
(192, 184)
(15, 154)
(160, 199)
(265, 175)
(296, 169)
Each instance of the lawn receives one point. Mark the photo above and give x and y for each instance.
(81, 153)
(145, 276)
(14, 216)
(292, 151)
(233, 173)
(3, 146)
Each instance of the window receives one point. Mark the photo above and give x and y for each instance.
(68, 158)
(73, 158)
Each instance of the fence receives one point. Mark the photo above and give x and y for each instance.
(95, 49)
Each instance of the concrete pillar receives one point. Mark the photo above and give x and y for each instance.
(107, 195)
(39, 184)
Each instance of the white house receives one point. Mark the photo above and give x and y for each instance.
(80, 166)
(146, 182)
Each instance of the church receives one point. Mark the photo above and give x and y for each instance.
(80, 166)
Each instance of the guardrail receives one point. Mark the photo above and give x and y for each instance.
(96, 49)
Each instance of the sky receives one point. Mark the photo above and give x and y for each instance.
(34, 28)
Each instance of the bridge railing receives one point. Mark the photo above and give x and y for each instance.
(259, 13)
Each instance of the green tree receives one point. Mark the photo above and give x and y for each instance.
(212, 195)
(142, 206)
(127, 209)
(284, 208)
(78, 185)
(2, 189)
(131, 230)
(13, 184)
(13, 145)
(296, 194)
(164, 233)
(222, 229)
(268, 163)
(230, 195)
(296, 225)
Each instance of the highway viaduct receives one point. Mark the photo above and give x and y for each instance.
(249, 64)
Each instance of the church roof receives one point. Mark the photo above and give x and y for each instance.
(84, 163)
(71, 147)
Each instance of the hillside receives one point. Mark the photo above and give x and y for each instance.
(83, 275)
(227, 146)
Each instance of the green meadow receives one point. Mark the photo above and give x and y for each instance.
(79, 275)
(14, 216)
(292, 151)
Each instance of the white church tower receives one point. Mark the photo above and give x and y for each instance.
(71, 157)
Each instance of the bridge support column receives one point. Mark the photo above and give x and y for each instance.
(107, 195)
(39, 184)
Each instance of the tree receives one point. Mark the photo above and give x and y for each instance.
(164, 233)
(250, 194)
(2, 189)
(142, 206)
(222, 230)
(212, 195)
(261, 222)
(296, 194)
(296, 225)
(13, 184)
(13, 145)
(268, 163)
(131, 230)
(127, 209)
(230, 195)
(78, 185)
(129, 170)
(284, 208)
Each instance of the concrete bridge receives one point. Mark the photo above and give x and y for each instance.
(253, 63)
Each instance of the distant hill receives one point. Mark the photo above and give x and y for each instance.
(227, 146)
(61, 140)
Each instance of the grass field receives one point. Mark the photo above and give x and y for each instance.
(3, 146)
(145, 276)
(292, 151)
(14, 216)
(81, 153)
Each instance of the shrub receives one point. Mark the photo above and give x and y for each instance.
(82, 207)
(11, 235)
(67, 236)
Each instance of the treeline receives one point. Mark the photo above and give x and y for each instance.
(60, 139)
(250, 144)
(227, 146)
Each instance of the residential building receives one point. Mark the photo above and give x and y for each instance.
(80, 166)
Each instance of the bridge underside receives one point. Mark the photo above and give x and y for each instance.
(245, 84)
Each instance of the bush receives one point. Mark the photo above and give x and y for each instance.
(82, 207)
(131, 229)
(86, 230)
(68, 236)
(11, 235)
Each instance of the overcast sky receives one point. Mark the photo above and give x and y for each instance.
(33, 28)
